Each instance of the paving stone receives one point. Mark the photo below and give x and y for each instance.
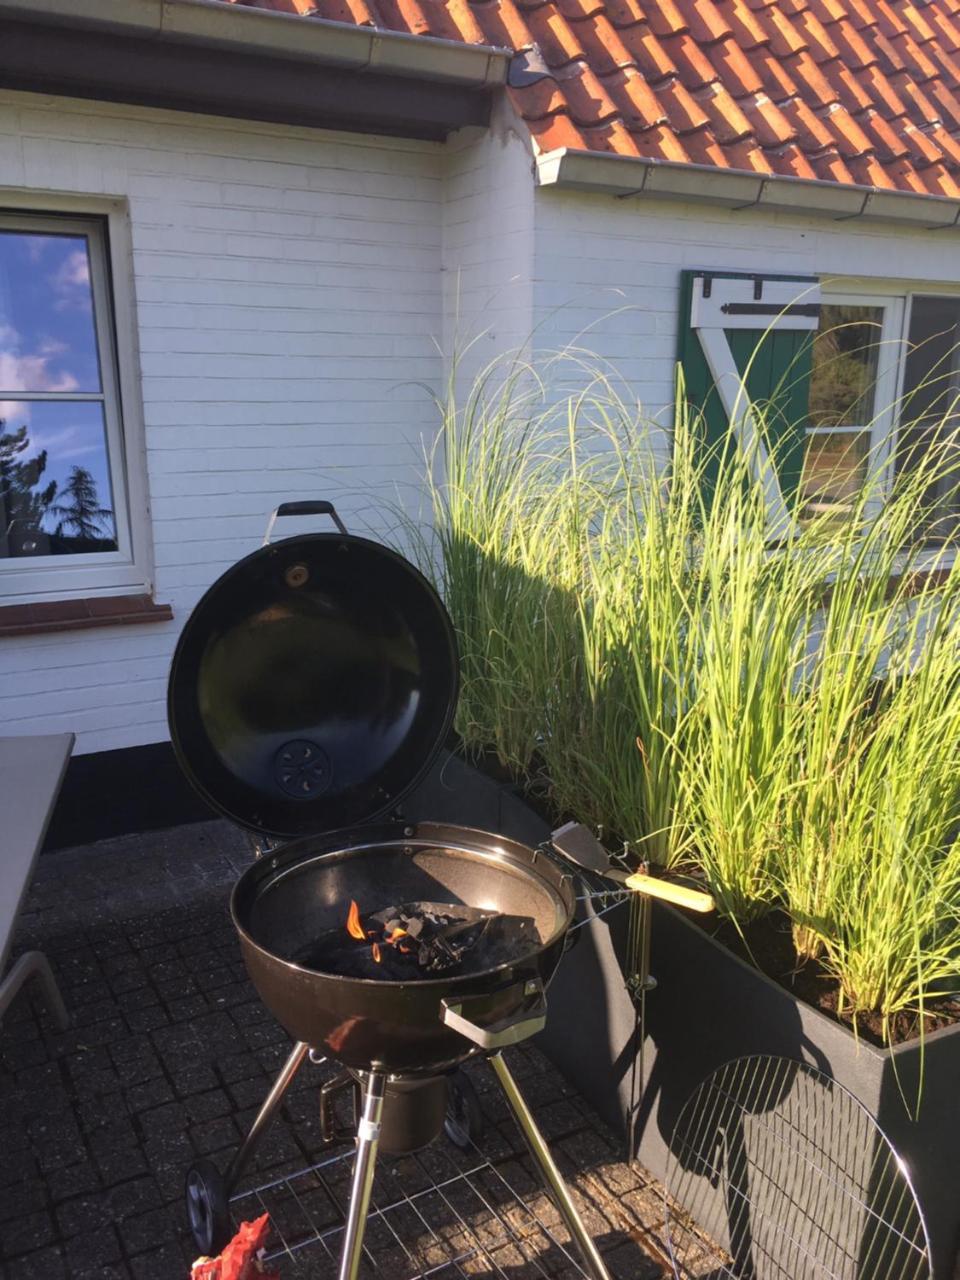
(131, 1198)
(165, 1263)
(214, 1134)
(194, 1079)
(149, 1230)
(86, 1058)
(131, 1001)
(148, 1019)
(73, 1181)
(57, 1145)
(42, 1264)
(559, 1119)
(130, 1047)
(208, 1106)
(92, 1084)
(231, 995)
(22, 1031)
(21, 1198)
(251, 1093)
(188, 1007)
(152, 1093)
(92, 1249)
(239, 1066)
(170, 1118)
(102, 1271)
(27, 1233)
(17, 1057)
(13, 1137)
(118, 1165)
(101, 1112)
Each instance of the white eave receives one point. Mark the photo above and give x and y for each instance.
(272, 34)
(627, 176)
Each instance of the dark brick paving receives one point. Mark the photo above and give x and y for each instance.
(169, 1055)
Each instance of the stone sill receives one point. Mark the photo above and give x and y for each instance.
(80, 615)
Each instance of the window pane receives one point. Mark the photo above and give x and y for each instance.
(929, 412)
(56, 495)
(834, 470)
(846, 348)
(47, 333)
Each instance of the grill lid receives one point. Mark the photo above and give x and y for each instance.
(313, 685)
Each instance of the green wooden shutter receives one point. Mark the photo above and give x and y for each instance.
(772, 355)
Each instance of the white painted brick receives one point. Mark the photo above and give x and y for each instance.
(606, 268)
(288, 288)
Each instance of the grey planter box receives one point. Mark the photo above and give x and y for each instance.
(710, 1007)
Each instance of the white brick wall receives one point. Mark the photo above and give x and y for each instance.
(607, 271)
(488, 250)
(288, 290)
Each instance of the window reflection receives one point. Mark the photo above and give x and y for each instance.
(845, 360)
(55, 490)
(48, 338)
(929, 434)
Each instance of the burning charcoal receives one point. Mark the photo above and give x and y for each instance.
(409, 941)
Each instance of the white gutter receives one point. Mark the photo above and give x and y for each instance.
(739, 189)
(275, 35)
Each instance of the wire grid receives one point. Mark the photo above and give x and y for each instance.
(439, 1212)
(794, 1177)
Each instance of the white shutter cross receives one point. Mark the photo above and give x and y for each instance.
(719, 304)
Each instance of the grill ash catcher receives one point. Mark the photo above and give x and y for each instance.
(311, 690)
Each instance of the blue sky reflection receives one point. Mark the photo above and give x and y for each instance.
(47, 334)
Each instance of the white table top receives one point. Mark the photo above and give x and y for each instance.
(31, 772)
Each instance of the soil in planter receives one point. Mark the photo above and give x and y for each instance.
(768, 946)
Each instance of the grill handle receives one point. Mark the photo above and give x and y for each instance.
(311, 507)
(469, 1016)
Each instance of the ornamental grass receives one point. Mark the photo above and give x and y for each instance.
(778, 708)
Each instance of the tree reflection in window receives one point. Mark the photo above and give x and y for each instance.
(38, 515)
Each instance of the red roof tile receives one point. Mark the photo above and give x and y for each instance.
(862, 92)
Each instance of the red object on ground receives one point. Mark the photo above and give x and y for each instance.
(240, 1260)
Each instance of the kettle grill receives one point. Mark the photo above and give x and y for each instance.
(311, 690)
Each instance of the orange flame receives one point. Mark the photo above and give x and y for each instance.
(395, 935)
(376, 952)
(354, 927)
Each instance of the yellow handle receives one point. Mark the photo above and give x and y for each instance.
(668, 891)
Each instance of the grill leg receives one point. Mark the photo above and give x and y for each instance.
(368, 1136)
(541, 1154)
(241, 1157)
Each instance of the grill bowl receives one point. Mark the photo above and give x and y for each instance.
(285, 900)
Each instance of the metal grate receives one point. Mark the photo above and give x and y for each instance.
(440, 1212)
(792, 1175)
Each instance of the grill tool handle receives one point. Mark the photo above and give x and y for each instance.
(311, 507)
(680, 895)
(466, 1017)
(577, 844)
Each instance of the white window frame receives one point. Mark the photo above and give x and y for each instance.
(128, 570)
(710, 317)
